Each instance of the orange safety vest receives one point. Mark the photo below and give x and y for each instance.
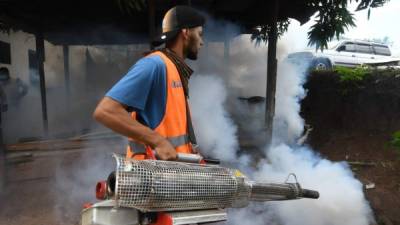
(173, 125)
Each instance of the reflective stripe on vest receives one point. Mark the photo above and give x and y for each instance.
(173, 125)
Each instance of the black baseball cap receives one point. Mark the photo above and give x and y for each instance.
(177, 18)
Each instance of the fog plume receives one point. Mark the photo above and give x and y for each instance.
(220, 139)
(341, 196)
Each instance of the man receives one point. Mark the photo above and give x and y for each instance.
(155, 91)
(12, 90)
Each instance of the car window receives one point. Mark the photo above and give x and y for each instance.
(341, 48)
(349, 47)
(382, 50)
(364, 48)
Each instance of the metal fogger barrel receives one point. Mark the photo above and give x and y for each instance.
(154, 185)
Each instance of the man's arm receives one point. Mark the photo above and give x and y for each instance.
(114, 115)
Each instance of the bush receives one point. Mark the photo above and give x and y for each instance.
(396, 139)
(352, 74)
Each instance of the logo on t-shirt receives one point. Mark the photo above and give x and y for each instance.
(176, 84)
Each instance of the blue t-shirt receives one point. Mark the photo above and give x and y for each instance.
(143, 89)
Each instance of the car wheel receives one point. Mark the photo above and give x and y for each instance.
(321, 64)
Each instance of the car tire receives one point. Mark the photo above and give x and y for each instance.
(321, 64)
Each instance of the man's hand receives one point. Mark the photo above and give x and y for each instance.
(165, 151)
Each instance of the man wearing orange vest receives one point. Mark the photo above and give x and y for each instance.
(155, 92)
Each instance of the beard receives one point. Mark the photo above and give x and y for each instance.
(191, 51)
(192, 55)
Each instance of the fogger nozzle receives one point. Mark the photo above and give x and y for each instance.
(105, 189)
(152, 185)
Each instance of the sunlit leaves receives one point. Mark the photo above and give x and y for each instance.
(261, 33)
(332, 20)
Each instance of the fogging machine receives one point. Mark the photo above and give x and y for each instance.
(155, 192)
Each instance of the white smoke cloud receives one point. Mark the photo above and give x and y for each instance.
(288, 124)
(77, 175)
(341, 196)
(209, 95)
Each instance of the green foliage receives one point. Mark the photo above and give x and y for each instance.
(261, 33)
(396, 140)
(355, 79)
(360, 73)
(332, 20)
(352, 74)
(368, 4)
(351, 78)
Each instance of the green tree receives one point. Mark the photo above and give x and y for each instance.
(332, 20)
(261, 32)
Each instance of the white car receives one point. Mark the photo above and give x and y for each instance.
(348, 53)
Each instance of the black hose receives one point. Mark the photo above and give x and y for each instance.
(306, 193)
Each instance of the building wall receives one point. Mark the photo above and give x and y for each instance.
(93, 70)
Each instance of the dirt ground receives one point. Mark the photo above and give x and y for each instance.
(375, 164)
(51, 188)
(355, 123)
(37, 195)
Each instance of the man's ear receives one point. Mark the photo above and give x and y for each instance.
(185, 33)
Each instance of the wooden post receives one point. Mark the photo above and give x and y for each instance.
(271, 72)
(40, 54)
(151, 22)
(66, 75)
